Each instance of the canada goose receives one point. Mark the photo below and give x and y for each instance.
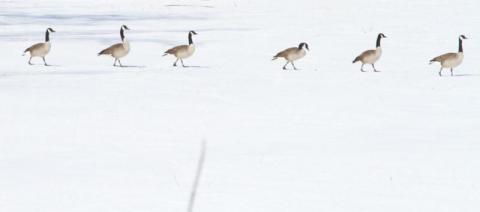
(40, 49)
(292, 54)
(371, 56)
(183, 51)
(451, 60)
(118, 50)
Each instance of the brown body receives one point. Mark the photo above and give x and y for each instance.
(40, 49)
(368, 57)
(118, 50)
(443, 57)
(292, 54)
(451, 60)
(448, 60)
(183, 51)
(371, 56)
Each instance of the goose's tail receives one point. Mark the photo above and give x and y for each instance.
(107, 51)
(101, 53)
(280, 54)
(356, 60)
(434, 60)
(25, 52)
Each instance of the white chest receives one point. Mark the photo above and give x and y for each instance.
(126, 47)
(378, 53)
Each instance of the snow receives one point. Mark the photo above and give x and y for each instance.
(82, 135)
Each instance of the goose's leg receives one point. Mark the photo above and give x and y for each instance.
(361, 68)
(440, 72)
(44, 62)
(294, 68)
(285, 66)
(374, 69)
(451, 72)
(115, 63)
(175, 63)
(181, 60)
(120, 63)
(30, 61)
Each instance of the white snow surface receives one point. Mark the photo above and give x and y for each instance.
(84, 136)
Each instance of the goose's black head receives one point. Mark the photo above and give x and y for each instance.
(303, 45)
(122, 28)
(460, 42)
(379, 38)
(190, 39)
(47, 34)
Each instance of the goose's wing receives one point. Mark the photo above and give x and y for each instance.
(443, 57)
(111, 49)
(176, 49)
(286, 52)
(34, 46)
(366, 53)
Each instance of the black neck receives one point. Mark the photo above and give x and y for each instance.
(301, 46)
(379, 38)
(121, 34)
(47, 36)
(190, 40)
(460, 45)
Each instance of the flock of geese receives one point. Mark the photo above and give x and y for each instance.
(369, 57)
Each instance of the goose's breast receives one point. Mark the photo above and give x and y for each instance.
(373, 58)
(187, 52)
(121, 51)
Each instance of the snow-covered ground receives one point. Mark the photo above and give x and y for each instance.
(83, 136)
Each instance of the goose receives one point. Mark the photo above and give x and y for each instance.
(118, 50)
(183, 51)
(450, 60)
(292, 54)
(40, 49)
(371, 56)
